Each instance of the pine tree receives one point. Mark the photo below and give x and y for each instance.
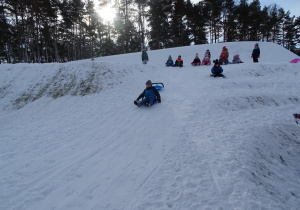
(179, 34)
(255, 15)
(160, 30)
(141, 5)
(5, 33)
(213, 10)
(243, 20)
(196, 22)
(289, 32)
(265, 27)
(297, 34)
(229, 23)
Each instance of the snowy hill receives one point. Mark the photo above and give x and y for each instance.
(71, 138)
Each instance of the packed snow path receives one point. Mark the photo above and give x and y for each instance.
(71, 138)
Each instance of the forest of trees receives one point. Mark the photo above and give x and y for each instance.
(67, 30)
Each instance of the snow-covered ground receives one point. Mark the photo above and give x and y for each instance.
(71, 138)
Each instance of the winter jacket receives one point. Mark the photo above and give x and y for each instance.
(216, 70)
(169, 63)
(223, 60)
(256, 52)
(206, 61)
(150, 92)
(196, 60)
(223, 54)
(145, 56)
(227, 53)
(179, 62)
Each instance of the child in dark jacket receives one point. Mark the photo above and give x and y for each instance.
(217, 70)
(150, 95)
(178, 62)
(145, 58)
(169, 61)
(197, 61)
(255, 53)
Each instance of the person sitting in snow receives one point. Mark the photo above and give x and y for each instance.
(206, 59)
(178, 62)
(255, 53)
(223, 58)
(169, 61)
(145, 58)
(150, 95)
(217, 70)
(236, 59)
(197, 61)
(224, 49)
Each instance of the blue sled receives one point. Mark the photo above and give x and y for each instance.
(158, 85)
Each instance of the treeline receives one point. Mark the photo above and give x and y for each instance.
(66, 30)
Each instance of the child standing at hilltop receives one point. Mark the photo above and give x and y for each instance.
(145, 58)
(255, 53)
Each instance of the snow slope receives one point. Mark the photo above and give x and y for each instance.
(71, 138)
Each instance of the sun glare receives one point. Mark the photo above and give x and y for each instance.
(107, 13)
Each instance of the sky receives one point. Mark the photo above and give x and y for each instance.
(292, 5)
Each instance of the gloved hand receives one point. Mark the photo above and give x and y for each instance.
(259, 56)
(159, 100)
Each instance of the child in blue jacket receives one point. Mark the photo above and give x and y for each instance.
(169, 61)
(217, 70)
(150, 95)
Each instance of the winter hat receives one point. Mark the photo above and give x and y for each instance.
(149, 82)
(170, 56)
(237, 56)
(224, 48)
(216, 61)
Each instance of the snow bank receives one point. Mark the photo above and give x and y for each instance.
(24, 83)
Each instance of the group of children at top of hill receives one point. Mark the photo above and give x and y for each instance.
(196, 61)
(223, 59)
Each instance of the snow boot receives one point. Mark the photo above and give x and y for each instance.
(136, 102)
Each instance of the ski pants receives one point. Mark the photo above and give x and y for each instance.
(151, 101)
(255, 60)
(144, 61)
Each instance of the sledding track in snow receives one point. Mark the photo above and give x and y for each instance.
(211, 144)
